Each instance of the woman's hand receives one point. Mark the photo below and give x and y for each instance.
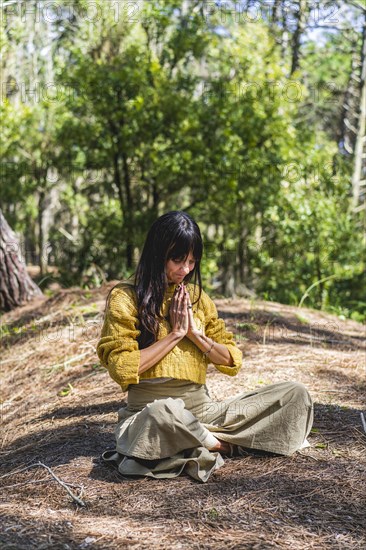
(192, 329)
(178, 312)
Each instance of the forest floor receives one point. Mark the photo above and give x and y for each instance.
(59, 408)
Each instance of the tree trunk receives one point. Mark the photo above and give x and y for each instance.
(347, 123)
(242, 252)
(118, 182)
(319, 274)
(275, 15)
(16, 287)
(128, 212)
(360, 145)
(299, 31)
(285, 32)
(41, 261)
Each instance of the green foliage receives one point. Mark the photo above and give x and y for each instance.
(159, 112)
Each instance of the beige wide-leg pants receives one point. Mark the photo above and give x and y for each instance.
(164, 428)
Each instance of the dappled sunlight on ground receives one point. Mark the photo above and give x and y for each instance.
(59, 407)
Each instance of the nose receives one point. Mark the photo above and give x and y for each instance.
(185, 269)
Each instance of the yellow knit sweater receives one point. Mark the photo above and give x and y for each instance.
(118, 348)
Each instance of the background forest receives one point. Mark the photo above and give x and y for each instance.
(248, 115)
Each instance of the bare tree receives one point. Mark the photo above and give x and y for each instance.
(16, 286)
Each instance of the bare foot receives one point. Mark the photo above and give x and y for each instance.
(221, 447)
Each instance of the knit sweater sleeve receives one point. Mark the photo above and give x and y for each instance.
(118, 348)
(216, 330)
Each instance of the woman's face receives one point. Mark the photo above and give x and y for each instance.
(176, 270)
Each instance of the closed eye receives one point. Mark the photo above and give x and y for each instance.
(180, 261)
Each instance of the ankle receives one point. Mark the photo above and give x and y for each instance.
(221, 447)
(211, 442)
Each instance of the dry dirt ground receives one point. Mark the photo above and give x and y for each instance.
(59, 408)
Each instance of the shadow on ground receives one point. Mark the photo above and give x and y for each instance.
(86, 437)
(320, 496)
(289, 330)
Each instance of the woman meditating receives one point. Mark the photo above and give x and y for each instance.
(160, 332)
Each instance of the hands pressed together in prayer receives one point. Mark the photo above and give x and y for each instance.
(181, 314)
(183, 324)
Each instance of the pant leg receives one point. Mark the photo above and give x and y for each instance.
(276, 418)
(161, 429)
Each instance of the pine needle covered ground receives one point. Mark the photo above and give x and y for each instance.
(59, 409)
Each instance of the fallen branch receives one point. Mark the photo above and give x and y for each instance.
(62, 483)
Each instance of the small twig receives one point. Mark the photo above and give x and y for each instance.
(265, 331)
(363, 421)
(18, 471)
(62, 483)
(307, 455)
(36, 481)
(22, 358)
(269, 472)
(65, 363)
(24, 483)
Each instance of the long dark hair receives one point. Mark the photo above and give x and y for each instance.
(172, 236)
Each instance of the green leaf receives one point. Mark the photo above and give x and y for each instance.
(66, 391)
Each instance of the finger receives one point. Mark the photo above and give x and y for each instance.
(179, 295)
(179, 307)
(189, 304)
(184, 305)
(190, 316)
(177, 290)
